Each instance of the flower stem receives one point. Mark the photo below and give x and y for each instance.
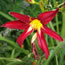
(51, 25)
(56, 60)
(57, 25)
(54, 1)
(13, 53)
(63, 26)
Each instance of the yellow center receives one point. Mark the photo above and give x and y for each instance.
(36, 24)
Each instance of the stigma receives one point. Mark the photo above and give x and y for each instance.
(36, 24)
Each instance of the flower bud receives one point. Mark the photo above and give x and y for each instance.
(34, 63)
(31, 1)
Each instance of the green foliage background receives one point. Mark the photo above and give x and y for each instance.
(11, 53)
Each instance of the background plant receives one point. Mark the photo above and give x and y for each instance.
(11, 53)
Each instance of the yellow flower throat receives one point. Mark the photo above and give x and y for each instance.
(36, 24)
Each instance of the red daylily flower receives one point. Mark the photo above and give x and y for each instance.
(29, 24)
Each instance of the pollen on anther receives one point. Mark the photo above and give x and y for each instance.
(36, 24)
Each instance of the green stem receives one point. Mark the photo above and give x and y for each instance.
(51, 25)
(13, 53)
(63, 25)
(56, 60)
(46, 37)
(6, 16)
(10, 59)
(54, 1)
(57, 25)
(52, 42)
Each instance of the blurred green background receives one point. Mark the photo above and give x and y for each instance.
(11, 53)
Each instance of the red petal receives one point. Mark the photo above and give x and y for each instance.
(51, 33)
(34, 49)
(42, 42)
(22, 37)
(22, 17)
(46, 17)
(17, 24)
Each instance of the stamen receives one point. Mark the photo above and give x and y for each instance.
(30, 19)
(36, 24)
(29, 29)
(34, 37)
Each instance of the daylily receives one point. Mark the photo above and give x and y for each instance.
(29, 24)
